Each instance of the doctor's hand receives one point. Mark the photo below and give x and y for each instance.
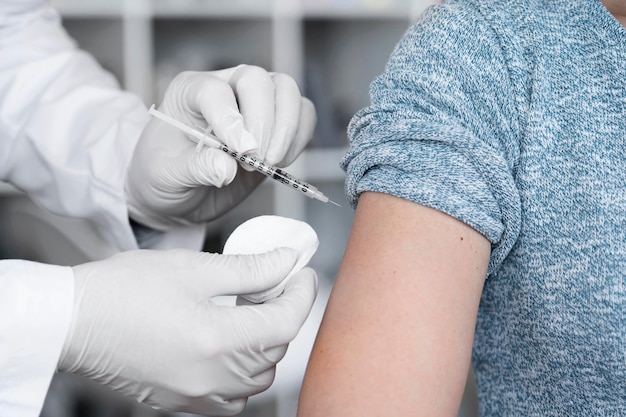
(144, 324)
(251, 110)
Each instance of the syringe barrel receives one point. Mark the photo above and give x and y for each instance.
(272, 172)
(277, 174)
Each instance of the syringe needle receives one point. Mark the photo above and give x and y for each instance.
(331, 201)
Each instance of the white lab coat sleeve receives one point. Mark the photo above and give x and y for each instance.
(67, 131)
(36, 303)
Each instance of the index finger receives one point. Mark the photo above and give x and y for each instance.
(215, 99)
(254, 89)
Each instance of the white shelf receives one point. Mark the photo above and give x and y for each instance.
(90, 9)
(212, 9)
(357, 10)
(196, 9)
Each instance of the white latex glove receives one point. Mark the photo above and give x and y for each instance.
(144, 324)
(251, 110)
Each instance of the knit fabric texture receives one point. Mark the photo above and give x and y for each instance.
(510, 115)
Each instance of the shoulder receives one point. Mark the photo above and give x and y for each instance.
(512, 23)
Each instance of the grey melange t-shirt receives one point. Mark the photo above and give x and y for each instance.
(510, 115)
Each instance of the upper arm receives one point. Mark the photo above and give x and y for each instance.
(397, 335)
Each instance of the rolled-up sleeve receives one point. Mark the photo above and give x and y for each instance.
(442, 127)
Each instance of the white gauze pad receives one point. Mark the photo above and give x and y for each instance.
(265, 233)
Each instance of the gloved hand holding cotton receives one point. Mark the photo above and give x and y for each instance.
(145, 324)
(266, 233)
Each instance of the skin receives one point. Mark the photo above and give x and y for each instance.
(397, 335)
(617, 9)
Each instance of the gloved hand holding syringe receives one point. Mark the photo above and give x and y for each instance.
(277, 174)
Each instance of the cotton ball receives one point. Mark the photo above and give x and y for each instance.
(266, 233)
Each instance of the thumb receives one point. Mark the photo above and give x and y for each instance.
(209, 167)
(277, 321)
(246, 274)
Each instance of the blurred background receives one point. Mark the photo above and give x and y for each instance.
(333, 48)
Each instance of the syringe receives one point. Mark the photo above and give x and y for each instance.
(277, 174)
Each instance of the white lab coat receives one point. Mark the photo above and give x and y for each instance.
(67, 133)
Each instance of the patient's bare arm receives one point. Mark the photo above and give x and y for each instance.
(397, 334)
